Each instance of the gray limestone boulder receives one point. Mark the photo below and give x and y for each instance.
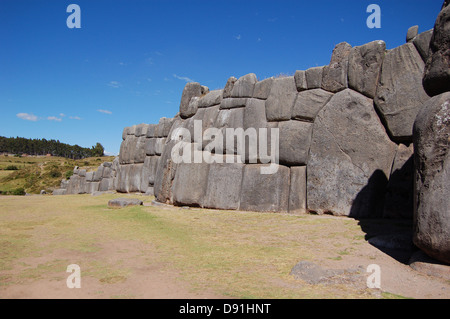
(350, 158)
(297, 190)
(106, 184)
(314, 77)
(151, 130)
(59, 192)
(229, 87)
(212, 98)
(190, 90)
(335, 75)
(97, 175)
(364, 67)
(141, 130)
(223, 190)
(300, 80)
(186, 176)
(432, 176)
(265, 192)
(295, 140)
(400, 94)
(412, 33)
(422, 44)
(244, 86)
(309, 103)
(92, 187)
(232, 103)
(77, 185)
(129, 178)
(281, 99)
(436, 78)
(262, 89)
(124, 202)
(229, 119)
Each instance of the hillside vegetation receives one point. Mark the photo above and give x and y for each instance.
(31, 174)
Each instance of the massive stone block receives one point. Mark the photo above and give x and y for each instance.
(309, 103)
(295, 140)
(335, 75)
(300, 80)
(229, 87)
(432, 176)
(262, 89)
(129, 179)
(186, 176)
(229, 118)
(297, 190)
(350, 158)
(190, 90)
(364, 66)
(422, 43)
(265, 192)
(223, 190)
(212, 98)
(232, 103)
(281, 99)
(244, 86)
(314, 77)
(436, 78)
(76, 185)
(400, 93)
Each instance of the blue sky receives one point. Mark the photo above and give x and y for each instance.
(130, 60)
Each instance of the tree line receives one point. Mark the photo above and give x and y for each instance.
(20, 145)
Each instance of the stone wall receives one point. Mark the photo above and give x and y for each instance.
(345, 138)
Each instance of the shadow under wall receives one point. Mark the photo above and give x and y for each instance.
(388, 232)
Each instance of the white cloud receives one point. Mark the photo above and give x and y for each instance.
(74, 117)
(54, 118)
(62, 114)
(238, 37)
(104, 111)
(27, 116)
(114, 84)
(184, 78)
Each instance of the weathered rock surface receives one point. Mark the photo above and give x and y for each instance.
(244, 86)
(309, 103)
(281, 99)
(422, 43)
(346, 174)
(124, 202)
(412, 33)
(271, 193)
(297, 191)
(314, 77)
(400, 93)
(399, 199)
(437, 70)
(186, 176)
(335, 75)
(432, 176)
(190, 90)
(364, 67)
(223, 190)
(295, 140)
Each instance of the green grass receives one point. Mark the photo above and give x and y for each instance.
(34, 174)
(235, 254)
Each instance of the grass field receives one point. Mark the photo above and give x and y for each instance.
(123, 252)
(34, 173)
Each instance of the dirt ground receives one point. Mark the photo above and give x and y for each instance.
(149, 269)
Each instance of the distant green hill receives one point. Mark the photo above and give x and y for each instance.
(31, 174)
(20, 145)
